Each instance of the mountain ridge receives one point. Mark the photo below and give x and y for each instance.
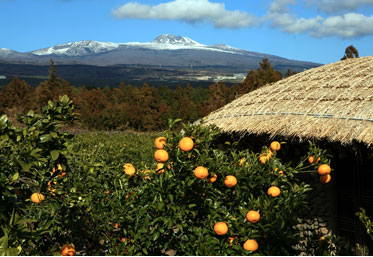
(167, 59)
(161, 51)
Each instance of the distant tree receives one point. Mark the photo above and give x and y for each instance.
(53, 77)
(250, 83)
(266, 73)
(290, 73)
(263, 75)
(17, 96)
(350, 52)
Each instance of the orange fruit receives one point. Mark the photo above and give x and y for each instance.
(273, 191)
(250, 245)
(37, 197)
(59, 167)
(201, 172)
(281, 172)
(311, 159)
(324, 169)
(160, 142)
(241, 161)
(230, 181)
(68, 250)
(253, 216)
(275, 146)
(62, 174)
(161, 155)
(221, 228)
(116, 225)
(325, 178)
(129, 169)
(213, 178)
(160, 168)
(265, 156)
(186, 144)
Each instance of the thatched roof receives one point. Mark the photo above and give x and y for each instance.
(332, 102)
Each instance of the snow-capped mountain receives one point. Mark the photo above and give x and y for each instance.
(175, 40)
(4, 52)
(165, 50)
(162, 42)
(79, 48)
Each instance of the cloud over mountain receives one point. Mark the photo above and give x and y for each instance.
(332, 18)
(191, 11)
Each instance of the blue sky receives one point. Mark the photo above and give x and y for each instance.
(308, 30)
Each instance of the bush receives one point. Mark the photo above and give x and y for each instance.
(92, 205)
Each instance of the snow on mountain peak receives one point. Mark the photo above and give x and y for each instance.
(174, 40)
(79, 48)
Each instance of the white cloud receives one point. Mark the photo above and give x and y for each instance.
(338, 6)
(191, 11)
(348, 25)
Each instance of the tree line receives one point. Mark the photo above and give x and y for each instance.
(126, 107)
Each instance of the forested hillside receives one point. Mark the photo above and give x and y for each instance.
(145, 108)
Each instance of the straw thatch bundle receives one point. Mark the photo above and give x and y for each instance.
(332, 102)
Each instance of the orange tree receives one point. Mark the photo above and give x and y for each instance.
(27, 157)
(176, 208)
(88, 205)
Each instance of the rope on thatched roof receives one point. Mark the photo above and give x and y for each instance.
(292, 113)
(333, 102)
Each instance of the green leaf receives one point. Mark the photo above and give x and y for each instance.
(3, 120)
(35, 151)
(55, 154)
(54, 134)
(156, 235)
(64, 99)
(9, 252)
(15, 176)
(171, 197)
(45, 138)
(4, 242)
(25, 167)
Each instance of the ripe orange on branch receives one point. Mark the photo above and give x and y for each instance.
(325, 178)
(250, 245)
(201, 172)
(160, 168)
(160, 142)
(311, 159)
(186, 144)
(275, 146)
(273, 191)
(324, 169)
(161, 155)
(129, 169)
(265, 156)
(213, 178)
(230, 181)
(221, 228)
(253, 216)
(37, 197)
(68, 250)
